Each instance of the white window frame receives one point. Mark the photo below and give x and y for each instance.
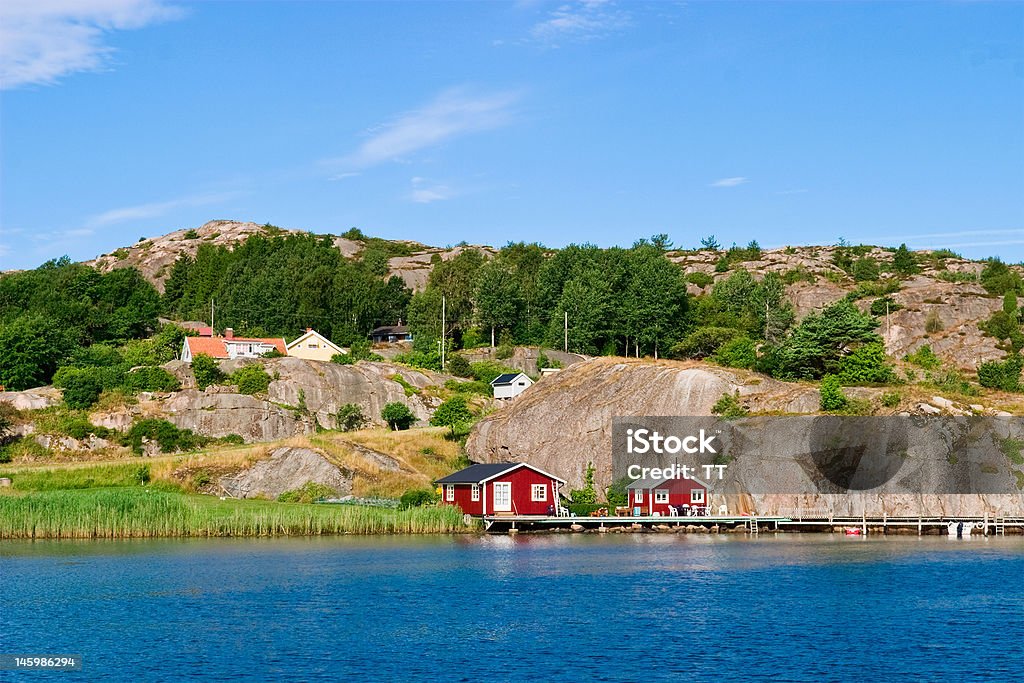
(539, 493)
(638, 496)
(475, 492)
(449, 493)
(697, 496)
(660, 496)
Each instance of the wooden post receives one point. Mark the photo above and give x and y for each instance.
(984, 529)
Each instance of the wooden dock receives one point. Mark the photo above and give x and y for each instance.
(754, 524)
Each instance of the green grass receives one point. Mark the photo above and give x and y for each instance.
(1012, 449)
(146, 512)
(70, 478)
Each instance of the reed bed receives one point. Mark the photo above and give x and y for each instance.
(145, 512)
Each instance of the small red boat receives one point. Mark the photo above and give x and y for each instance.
(853, 531)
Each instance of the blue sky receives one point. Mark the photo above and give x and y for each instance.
(789, 123)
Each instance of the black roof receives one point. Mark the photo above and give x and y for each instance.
(505, 378)
(474, 474)
(391, 329)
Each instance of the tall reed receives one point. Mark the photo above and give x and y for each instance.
(144, 512)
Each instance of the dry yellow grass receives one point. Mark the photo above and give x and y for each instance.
(423, 455)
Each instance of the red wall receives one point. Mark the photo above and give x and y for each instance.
(522, 480)
(678, 493)
(464, 498)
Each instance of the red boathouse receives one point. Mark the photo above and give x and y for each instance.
(501, 488)
(668, 497)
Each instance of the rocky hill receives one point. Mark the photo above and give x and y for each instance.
(945, 292)
(155, 256)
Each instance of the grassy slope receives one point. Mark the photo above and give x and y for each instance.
(156, 496)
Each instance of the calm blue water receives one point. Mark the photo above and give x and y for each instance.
(549, 608)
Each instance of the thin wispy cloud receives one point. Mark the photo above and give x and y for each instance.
(924, 240)
(451, 114)
(425, 192)
(729, 182)
(580, 21)
(343, 176)
(156, 209)
(44, 40)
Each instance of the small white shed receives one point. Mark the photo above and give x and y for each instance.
(510, 385)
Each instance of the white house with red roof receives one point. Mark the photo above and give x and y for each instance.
(229, 346)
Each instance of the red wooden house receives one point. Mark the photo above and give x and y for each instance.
(668, 497)
(501, 488)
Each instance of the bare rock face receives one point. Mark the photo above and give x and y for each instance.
(287, 469)
(32, 399)
(565, 421)
(221, 414)
(302, 394)
(155, 257)
(415, 269)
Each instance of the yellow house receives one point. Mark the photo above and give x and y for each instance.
(313, 346)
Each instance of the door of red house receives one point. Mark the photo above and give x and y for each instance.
(503, 496)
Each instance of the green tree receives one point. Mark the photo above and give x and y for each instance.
(206, 371)
(867, 364)
(81, 387)
(1002, 375)
(865, 269)
(30, 349)
(453, 413)
(459, 366)
(251, 379)
(350, 417)
(832, 396)
(904, 262)
(819, 343)
(397, 415)
(497, 297)
(587, 494)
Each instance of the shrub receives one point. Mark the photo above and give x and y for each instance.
(82, 386)
(474, 387)
(998, 278)
(191, 235)
(150, 379)
(617, 494)
(310, 492)
(729, 406)
(867, 365)
(891, 399)
(865, 269)
(342, 359)
(429, 360)
(232, 439)
(397, 415)
(737, 353)
(251, 379)
(700, 279)
(703, 342)
(170, 437)
(832, 396)
(459, 366)
(933, 323)
(587, 494)
(272, 353)
(488, 370)
(924, 357)
(350, 417)
(415, 498)
(206, 371)
(1004, 375)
